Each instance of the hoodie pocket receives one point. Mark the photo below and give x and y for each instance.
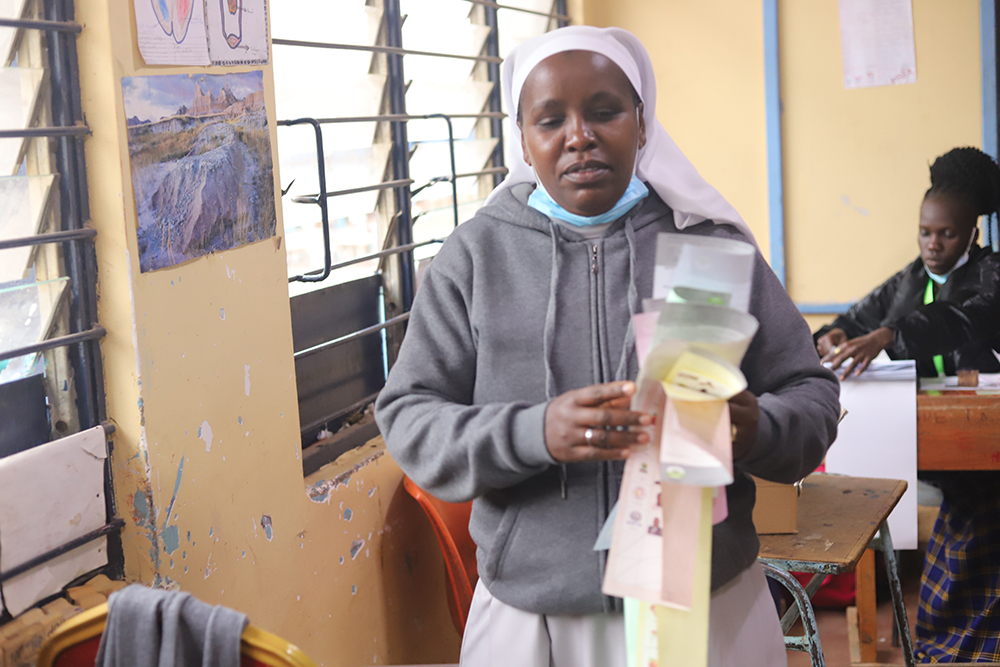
(501, 540)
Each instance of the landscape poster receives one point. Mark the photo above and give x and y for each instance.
(200, 153)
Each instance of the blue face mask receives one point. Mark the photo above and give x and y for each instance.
(542, 201)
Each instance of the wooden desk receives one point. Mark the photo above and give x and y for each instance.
(958, 430)
(839, 517)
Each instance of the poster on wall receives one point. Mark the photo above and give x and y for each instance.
(202, 32)
(876, 41)
(200, 154)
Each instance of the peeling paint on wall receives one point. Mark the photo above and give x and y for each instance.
(356, 547)
(246, 379)
(205, 433)
(321, 490)
(265, 522)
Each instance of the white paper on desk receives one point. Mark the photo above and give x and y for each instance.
(876, 41)
(49, 495)
(878, 438)
(987, 381)
(172, 32)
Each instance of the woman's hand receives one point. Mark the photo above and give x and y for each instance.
(744, 415)
(583, 424)
(860, 351)
(830, 340)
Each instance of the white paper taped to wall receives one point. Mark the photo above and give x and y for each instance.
(49, 495)
(876, 41)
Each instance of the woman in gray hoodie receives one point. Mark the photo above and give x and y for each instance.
(512, 385)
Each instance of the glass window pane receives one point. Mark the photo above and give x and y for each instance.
(9, 9)
(19, 88)
(431, 97)
(515, 27)
(432, 159)
(27, 313)
(24, 206)
(337, 22)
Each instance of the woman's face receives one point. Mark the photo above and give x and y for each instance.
(581, 130)
(946, 226)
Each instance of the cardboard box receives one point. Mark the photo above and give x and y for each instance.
(777, 508)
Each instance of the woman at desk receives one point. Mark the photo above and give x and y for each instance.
(942, 310)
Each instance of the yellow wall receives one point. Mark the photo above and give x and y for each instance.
(351, 571)
(856, 160)
(709, 62)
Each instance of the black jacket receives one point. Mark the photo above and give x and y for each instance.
(962, 324)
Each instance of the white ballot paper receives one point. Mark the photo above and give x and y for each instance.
(878, 438)
(49, 495)
(689, 356)
(703, 269)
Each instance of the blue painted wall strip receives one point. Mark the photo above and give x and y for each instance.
(772, 103)
(988, 57)
(823, 308)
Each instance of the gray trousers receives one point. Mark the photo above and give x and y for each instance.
(744, 631)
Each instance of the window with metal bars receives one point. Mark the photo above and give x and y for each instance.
(389, 117)
(51, 381)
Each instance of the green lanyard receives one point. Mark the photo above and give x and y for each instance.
(929, 298)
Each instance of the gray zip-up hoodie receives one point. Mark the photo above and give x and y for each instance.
(513, 303)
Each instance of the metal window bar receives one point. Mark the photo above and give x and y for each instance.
(375, 328)
(85, 234)
(389, 50)
(493, 74)
(34, 24)
(398, 184)
(559, 15)
(43, 132)
(399, 155)
(562, 14)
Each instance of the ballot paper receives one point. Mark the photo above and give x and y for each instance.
(49, 495)
(703, 269)
(878, 438)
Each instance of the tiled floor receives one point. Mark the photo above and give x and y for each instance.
(833, 625)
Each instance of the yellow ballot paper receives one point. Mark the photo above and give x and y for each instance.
(659, 635)
(683, 634)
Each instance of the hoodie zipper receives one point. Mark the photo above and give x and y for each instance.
(593, 260)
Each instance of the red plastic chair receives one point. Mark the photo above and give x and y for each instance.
(75, 644)
(450, 522)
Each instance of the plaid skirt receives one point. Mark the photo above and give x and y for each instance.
(958, 619)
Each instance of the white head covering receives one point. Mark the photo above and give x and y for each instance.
(661, 163)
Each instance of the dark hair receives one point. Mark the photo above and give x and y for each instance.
(970, 174)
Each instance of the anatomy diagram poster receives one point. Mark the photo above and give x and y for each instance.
(202, 32)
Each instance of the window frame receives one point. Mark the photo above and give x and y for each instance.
(344, 426)
(67, 131)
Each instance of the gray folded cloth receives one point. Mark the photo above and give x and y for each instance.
(153, 628)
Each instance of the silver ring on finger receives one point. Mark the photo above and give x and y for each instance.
(588, 435)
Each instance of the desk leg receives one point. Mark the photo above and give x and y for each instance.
(865, 593)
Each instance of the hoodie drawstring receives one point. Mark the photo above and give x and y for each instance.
(549, 333)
